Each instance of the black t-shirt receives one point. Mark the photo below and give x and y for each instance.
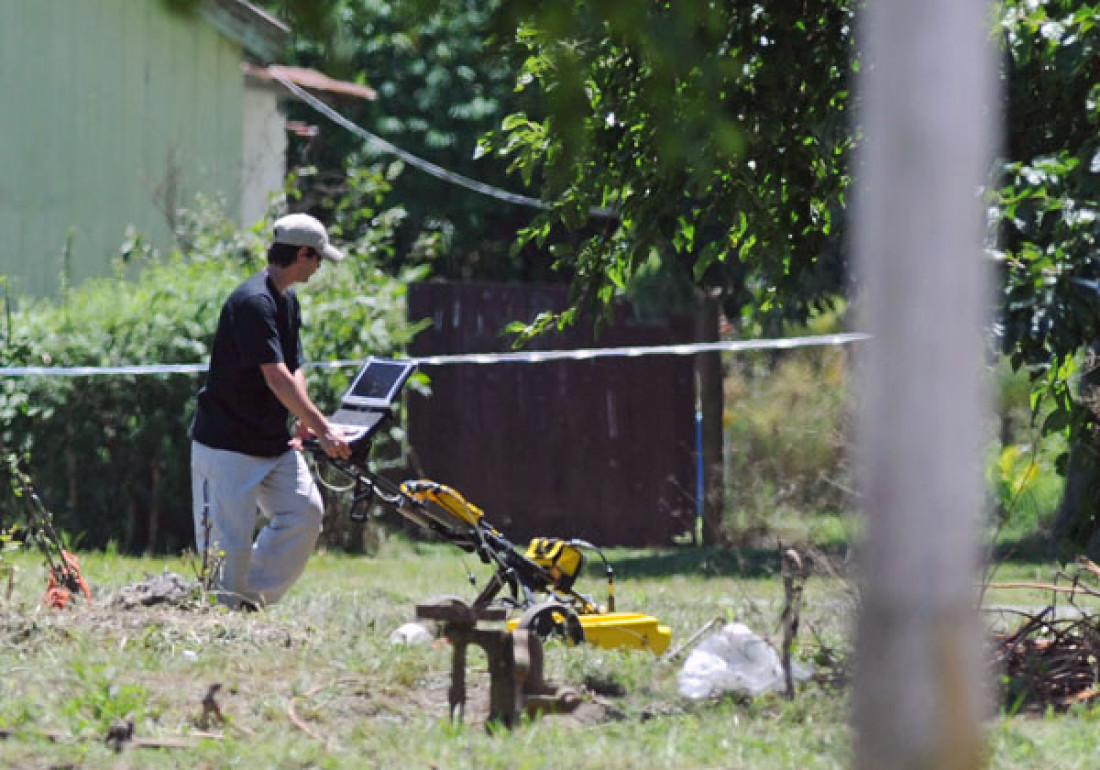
(236, 409)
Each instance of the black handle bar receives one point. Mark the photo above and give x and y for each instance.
(482, 538)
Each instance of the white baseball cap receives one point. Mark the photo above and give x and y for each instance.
(304, 230)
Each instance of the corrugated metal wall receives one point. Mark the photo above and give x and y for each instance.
(601, 449)
(112, 112)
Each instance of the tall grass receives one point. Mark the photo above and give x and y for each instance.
(788, 437)
(787, 425)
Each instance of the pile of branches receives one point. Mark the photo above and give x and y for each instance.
(1052, 660)
(1049, 663)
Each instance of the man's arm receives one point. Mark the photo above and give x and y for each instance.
(290, 389)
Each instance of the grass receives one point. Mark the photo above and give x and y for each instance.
(325, 652)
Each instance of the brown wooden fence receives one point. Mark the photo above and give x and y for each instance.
(600, 449)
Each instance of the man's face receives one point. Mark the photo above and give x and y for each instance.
(310, 261)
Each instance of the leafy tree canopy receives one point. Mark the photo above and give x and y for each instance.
(439, 89)
(719, 133)
(1046, 216)
(1047, 207)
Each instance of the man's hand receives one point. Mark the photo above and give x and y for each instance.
(290, 389)
(301, 433)
(331, 441)
(334, 445)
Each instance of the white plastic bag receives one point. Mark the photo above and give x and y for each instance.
(411, 634)
(734, 659)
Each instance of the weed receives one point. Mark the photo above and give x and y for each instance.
(409, 670)
(7, 570)
(101, 699)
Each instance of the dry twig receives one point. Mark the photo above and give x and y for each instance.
(1051, 661)
(794, 581)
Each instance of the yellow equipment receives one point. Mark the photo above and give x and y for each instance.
(620, 630)
(538, 583)
(558, 557)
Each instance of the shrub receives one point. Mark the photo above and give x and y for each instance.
(787, 425)
(1025, 486)
(110, 454)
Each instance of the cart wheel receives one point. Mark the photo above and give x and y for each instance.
(553, 620)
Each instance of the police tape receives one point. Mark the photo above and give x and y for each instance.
(519, 357)
(685, 349)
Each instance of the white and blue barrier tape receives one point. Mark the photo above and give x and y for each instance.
(522, 357)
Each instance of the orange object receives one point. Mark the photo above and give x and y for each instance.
(63, 580)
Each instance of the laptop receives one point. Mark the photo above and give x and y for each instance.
(370, 397)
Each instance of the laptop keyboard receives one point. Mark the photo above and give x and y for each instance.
(355, 418)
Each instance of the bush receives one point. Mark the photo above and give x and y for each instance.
(1025, 486)
(787, 438)
(110, 455)
(788, 426)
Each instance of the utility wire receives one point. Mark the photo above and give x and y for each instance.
(426, 166)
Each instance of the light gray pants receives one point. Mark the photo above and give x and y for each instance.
(227, 491)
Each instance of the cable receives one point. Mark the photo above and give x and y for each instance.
(426, 166)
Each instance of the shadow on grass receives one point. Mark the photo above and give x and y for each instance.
(764, 561)
(1033, 548)
(741, 562)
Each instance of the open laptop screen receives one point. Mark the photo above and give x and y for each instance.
(378, 382)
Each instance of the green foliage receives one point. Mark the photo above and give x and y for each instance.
(1045, 208)
(1023, 483)
(1045, 217)
(1014, 473)
(110, 454)
(102, 699)
(670, 114)
(440, 87)
(8, 544)
(787, 438)
(104, 448)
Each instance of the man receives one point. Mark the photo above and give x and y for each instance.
(243, 457)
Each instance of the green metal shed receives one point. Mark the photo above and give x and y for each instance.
(116, 113)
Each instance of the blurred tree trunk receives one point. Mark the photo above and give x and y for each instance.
(928, 96)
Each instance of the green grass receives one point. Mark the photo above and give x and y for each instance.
(325, 652)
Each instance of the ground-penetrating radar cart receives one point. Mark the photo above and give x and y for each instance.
(536, 585)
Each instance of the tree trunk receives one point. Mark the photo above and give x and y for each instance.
(129, 531)
(154, 507)
(73, 496)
